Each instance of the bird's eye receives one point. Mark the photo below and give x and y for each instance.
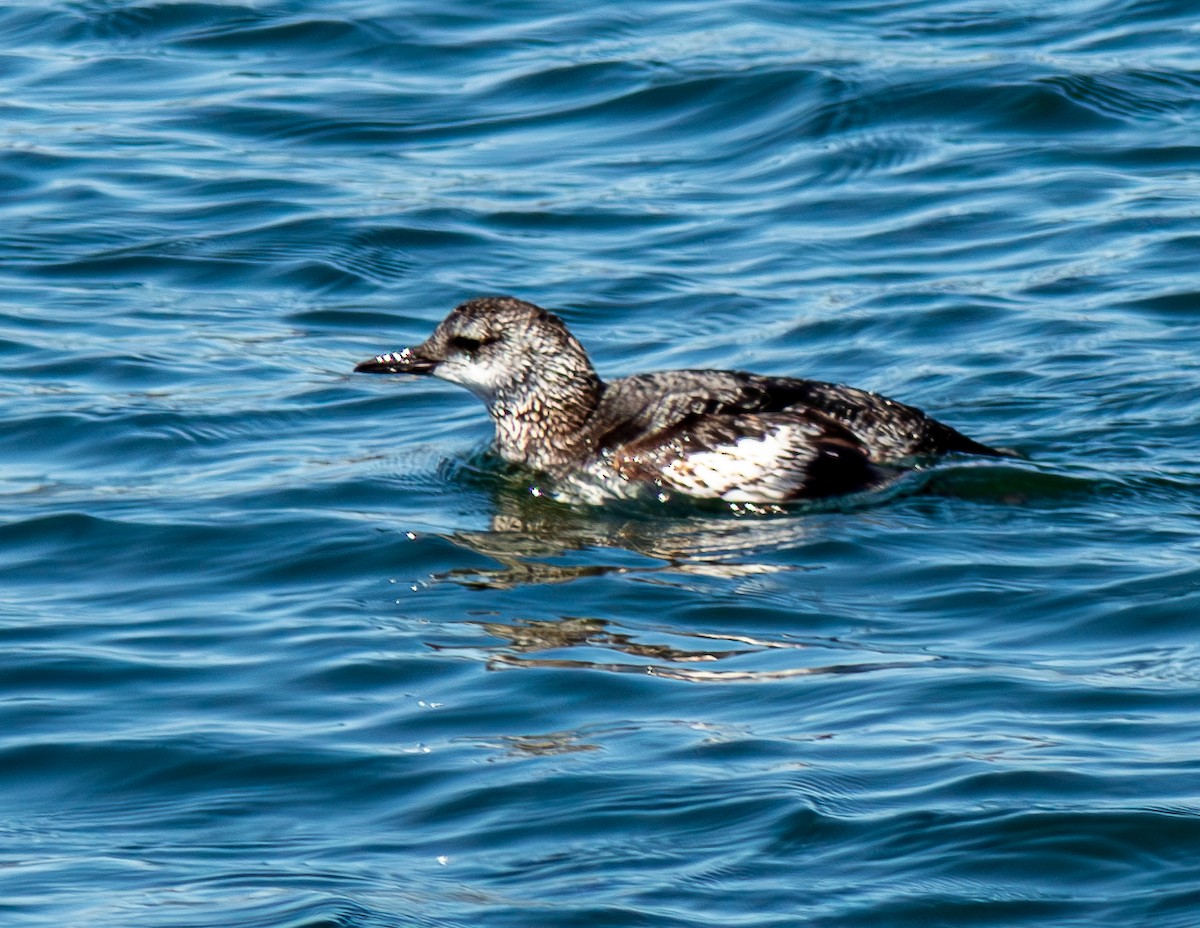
(469, 345)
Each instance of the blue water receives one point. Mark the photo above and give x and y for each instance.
(280, 646)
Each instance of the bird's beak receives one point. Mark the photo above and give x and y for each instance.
(405, 361)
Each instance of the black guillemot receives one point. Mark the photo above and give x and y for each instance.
(727, 435)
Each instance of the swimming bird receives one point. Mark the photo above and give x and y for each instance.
(716, 434)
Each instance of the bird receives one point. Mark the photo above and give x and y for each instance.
(727, 435)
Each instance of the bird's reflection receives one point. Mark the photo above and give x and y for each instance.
(534, 540)
(540, 745)
(543, 643)
(529, 532)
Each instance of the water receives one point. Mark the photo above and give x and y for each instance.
(280, 647)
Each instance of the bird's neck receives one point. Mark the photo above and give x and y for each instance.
(542, 421)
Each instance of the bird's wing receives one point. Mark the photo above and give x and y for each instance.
(746, 456)
(894, 432)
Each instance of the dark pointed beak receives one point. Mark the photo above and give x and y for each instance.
(405, 361)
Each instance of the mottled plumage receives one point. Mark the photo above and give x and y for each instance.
(714, 434)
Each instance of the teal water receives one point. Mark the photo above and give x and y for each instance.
(280, 647)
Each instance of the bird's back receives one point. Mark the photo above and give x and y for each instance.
(640, 407)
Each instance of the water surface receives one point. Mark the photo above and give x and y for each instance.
(281, 648)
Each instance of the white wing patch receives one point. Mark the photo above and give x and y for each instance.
(750, 470)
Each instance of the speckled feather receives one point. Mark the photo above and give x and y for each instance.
(891, 432)
(717, 434)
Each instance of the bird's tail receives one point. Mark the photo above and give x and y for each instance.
(958, 443)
